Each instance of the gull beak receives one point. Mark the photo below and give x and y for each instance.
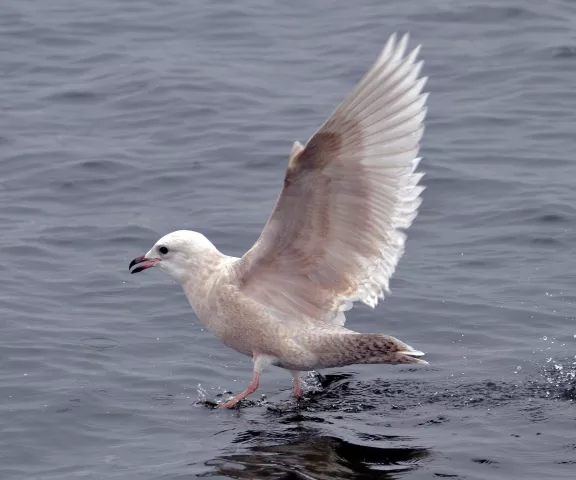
(144, 263)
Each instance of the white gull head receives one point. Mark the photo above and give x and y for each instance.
(180, 254)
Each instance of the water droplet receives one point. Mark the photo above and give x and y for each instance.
(202, 393)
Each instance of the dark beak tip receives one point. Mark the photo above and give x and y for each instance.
(145, 263)
(136, 261)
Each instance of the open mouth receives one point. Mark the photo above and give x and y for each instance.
(143, 263)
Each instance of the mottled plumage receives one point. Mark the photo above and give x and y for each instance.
(334, 237)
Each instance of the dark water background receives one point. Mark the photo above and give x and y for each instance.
(124, 120)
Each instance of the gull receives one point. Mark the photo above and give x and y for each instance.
(334, 237)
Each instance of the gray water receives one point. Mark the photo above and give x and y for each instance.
(124, 120)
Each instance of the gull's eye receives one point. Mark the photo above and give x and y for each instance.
(163, 250)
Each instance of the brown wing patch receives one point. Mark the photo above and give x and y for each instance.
(320, 151)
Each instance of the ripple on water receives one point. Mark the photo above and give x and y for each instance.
(100, 343)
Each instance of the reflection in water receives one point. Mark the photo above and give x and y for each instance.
(312, 456)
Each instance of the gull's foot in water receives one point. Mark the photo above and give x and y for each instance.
(229, 404)
(237, 404)
(250, 389)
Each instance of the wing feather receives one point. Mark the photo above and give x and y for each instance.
(335, 235)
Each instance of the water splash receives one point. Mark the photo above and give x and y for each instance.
(202, 393)
(560, 378)
(312, 383)
(211, 398)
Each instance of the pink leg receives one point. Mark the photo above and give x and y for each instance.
(297, 387)
(251, 388)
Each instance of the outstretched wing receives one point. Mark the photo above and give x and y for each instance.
(335, 235)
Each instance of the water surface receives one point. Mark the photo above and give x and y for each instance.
(124, 120)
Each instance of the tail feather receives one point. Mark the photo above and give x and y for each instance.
(374, 348)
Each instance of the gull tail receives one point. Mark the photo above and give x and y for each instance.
(373, 348)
